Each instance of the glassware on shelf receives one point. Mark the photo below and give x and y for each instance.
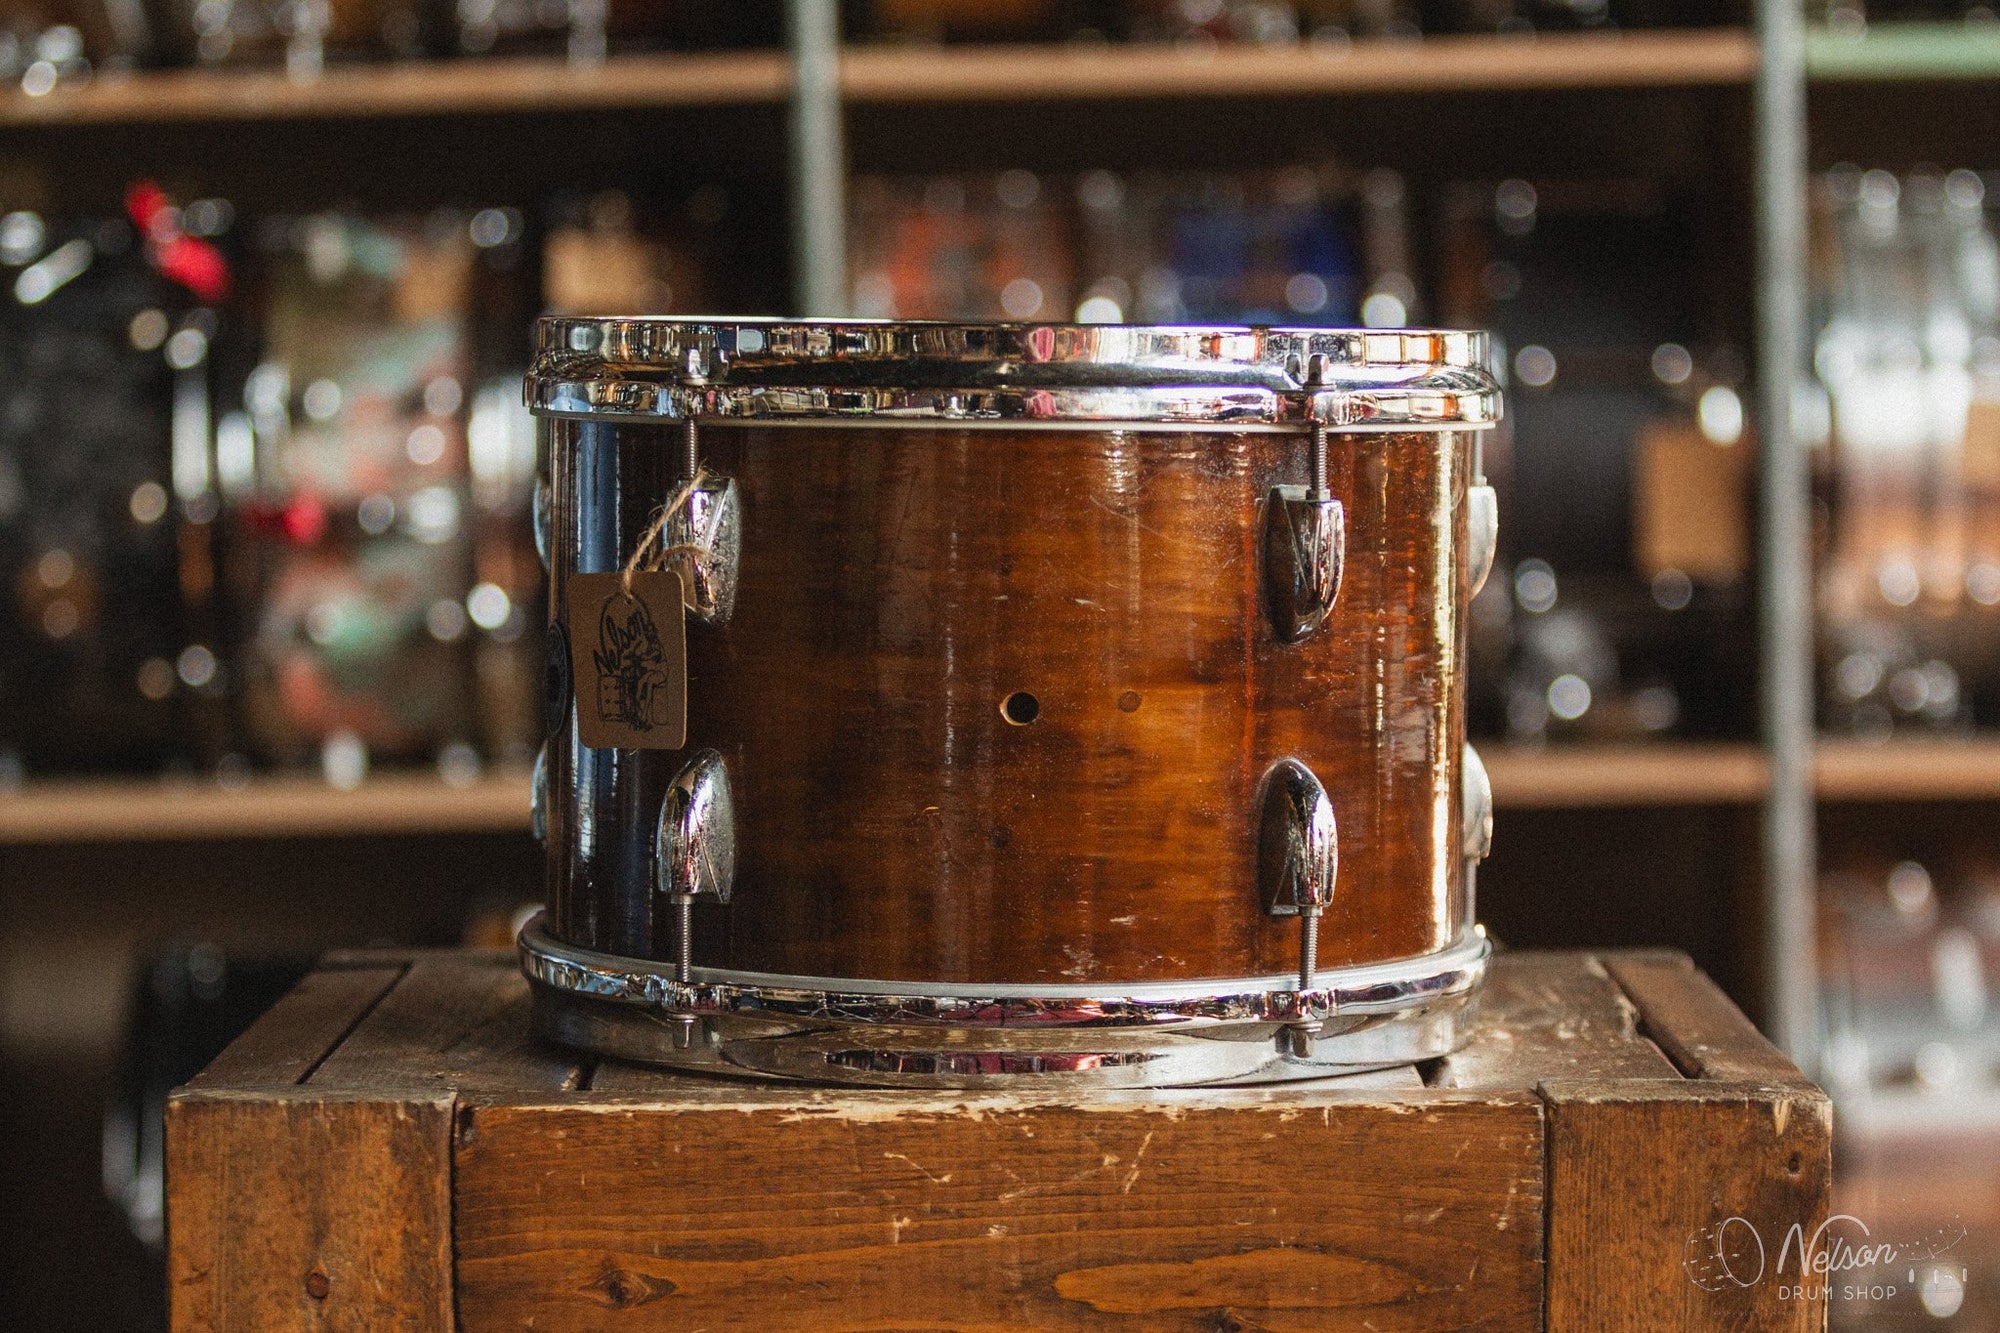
(1909, 968)
(300, 37)
(45, 47)
(1910, 957)
(1908, 361)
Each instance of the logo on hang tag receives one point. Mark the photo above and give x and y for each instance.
(628, 658)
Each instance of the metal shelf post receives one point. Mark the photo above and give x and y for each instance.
(1785, 627)
(818, 159)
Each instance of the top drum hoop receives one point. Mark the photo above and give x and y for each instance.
(637, 397)
(1018, 374)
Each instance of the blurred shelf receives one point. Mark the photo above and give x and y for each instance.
(431, 88)
(135, 810)
(897, 74)
(1909, 770)
(1906, 51)
(1562, 777)
(1526, 62)
(139, 810)
(1588, 776)
(1904, 1112)
(1584, 776)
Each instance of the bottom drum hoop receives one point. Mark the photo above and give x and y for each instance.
(965, 1035)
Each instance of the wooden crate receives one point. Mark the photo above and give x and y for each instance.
(388, 1148)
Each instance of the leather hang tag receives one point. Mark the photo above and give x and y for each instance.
(628, 659)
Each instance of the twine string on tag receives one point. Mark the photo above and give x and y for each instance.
(649, 554)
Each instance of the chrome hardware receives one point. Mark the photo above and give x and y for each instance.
(1477, 831)
(538, 799)
(1298, 843)
(1136, 1034)
(544, 518)
(1482, 534)
(891, 373)
(704, 538)
(708, 532)
(1298, 860)
(695, 848)
(1305, 550)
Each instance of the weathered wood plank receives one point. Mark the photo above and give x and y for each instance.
(1669, 1204)
(1700, 1029)
(587, 1197)
(1551, 1015)
(1224, 1209)
(294, 1211)
(299, 1030)
(502, 1060)
(456, 1024)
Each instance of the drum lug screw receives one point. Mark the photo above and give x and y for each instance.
(1305, 550)
(1476, 829)
(704, 533)
(707, 533)
(1482, 535)
(1298, 861)
(695, 856)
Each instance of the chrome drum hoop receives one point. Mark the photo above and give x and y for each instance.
(908, 1034)
(918, 373)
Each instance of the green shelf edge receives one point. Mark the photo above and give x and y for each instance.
(1907, 51)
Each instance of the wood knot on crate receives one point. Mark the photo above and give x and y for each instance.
(620, 1288)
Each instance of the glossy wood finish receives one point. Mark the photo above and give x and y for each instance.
(899, 584)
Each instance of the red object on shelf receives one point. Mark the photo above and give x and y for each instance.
(301, 520)
(187, 260)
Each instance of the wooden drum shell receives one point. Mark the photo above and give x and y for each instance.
(899, 583)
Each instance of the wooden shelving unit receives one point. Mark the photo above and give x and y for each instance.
(1420, 65)
(881, 75)
(1591, 776)
(461, 87)
(1576, 777)
(136, 810)
(1600, 776)
(1909, 770)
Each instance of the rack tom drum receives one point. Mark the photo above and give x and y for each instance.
(954, 705)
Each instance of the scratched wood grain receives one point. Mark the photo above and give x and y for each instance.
(1671, 1206)
(289, 1207)
(1694, 1023)
(1178, 1212)
(1552, 1015)
(389, 1148)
